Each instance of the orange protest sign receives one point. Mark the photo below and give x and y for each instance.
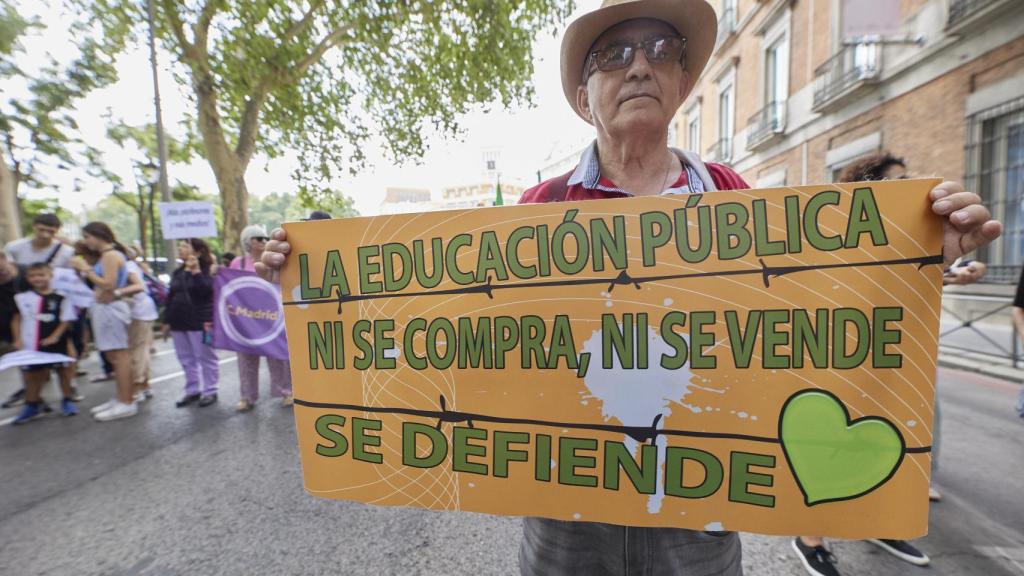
(757, 361)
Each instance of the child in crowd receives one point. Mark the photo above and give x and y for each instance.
(41, 323)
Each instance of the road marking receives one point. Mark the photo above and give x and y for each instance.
(1000, 553)
(174, 375)
(164, 378)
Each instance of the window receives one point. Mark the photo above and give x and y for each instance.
(776, 70)
(673, 134)
(726, 111)
(693, 129)
(723, 149)
(995, 152)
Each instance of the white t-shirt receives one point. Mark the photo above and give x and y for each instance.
(23, 253)
(143, 306)
(40, 316)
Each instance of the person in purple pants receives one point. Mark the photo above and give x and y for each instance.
(187, 319)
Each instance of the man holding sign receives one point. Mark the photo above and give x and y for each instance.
(626, 68)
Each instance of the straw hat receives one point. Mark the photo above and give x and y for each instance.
(693, 19)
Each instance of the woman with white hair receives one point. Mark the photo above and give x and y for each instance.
(254, 239)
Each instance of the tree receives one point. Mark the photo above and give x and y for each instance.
(37, 130)
(140, 141)
(320, 78)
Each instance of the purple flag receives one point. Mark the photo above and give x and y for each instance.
(247, 315)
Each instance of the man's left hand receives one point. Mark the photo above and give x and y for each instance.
(968, 225)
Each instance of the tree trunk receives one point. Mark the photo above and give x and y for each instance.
(234, 199)
(10, 223)
(228, 167)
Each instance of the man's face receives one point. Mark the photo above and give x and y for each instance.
(38, 279)
(44, 232)
(641, 96)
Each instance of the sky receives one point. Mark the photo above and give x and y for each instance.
(524, 137)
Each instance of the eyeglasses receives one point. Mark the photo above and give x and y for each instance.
(260, 238)
(657, 49)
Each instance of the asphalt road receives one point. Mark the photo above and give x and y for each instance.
(208, 491)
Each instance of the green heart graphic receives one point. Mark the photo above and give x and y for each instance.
(832, 457)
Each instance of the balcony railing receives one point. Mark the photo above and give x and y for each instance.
(769, 121)
(721, 151)
(852, 67)
(963, 9)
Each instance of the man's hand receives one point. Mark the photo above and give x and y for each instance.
(274, 255)
(968, 225)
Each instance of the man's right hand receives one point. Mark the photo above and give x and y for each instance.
(274, 255)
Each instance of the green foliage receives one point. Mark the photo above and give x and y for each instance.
(30, 208)
(124, 220)
(39, 127)
(331, 201)
(321, 78)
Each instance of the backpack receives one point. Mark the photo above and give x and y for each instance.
(157, 289)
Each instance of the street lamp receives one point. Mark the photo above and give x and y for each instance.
(150, 176)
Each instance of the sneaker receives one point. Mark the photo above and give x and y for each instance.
(243, 406)
(117, 411)
(817, 560)
(101, 407)
(44, 407)
(207, 400)
(16, 399)
(29, 412)
(143, 395)
(902, 550)
(287, 400)
(67, 407)
(76, 396)
(188, 399)
(934, 495)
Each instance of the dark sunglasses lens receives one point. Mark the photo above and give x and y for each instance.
(260, 238)
(614, 58)
(663, 49)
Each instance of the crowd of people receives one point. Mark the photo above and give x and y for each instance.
(127, 302)
(626, 68)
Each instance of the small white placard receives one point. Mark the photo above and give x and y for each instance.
(187, 220)
(32, 358)
(67, 283)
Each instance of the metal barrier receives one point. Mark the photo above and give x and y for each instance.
(1000, 304)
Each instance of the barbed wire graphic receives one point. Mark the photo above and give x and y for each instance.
(766, 272)
(641, 434)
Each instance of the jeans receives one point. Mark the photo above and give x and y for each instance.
(559, 548)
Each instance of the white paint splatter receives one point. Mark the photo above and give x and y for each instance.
(911, 423)
(668, 302)
(635, 401)
(714, 527)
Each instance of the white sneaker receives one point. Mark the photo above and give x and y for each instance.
(117, 411)
(105, 406)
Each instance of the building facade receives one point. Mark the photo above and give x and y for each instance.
(479, 195)
(406, 201)
(790, 97)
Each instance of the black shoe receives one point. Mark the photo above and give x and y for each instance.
(816, 559)
(188, 399)
(207, 400)
(902, 550)
(16, 399)
(44, 407)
